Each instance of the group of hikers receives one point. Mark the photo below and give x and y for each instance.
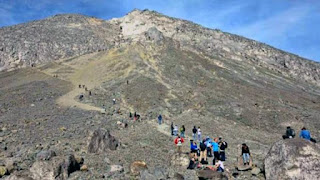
(201, 149)
(304, 133)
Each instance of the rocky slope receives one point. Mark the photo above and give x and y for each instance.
(64, 36)
(150, 64)
(54, 38)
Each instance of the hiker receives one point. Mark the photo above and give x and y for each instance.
(209, 146)
(220, 166)
(81, 97)
(172, 128)
(192, 164)
(290, 133)
(182, 130)
(193, 149)
(199, 134)
(83, 86)
(178, 141)
(222, 147)
(127, 82)
(215, 147)
(114, 101)
(305, 134)
(203, 153)
(86, 89)
(245, 154)
(175, 130)
(90, 93)
(160, 119)
(79, 85)
(130, 115)
(194, 132)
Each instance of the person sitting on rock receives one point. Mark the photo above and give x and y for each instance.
(305, 134)
(178, 141)
(192, 164)
(219, 166)
(290, 133)
(245, 154)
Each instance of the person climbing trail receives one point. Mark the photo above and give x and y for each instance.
(223, 145)
(79, 85)
(182, 131)
(175, 130)
(172, 128)
(209, 146)
(178, 141)
(290, 133)
(203, 153)
(114, 101)
(160, 119)
(194, 132)
(193, 149)
(305, 134)
(199, 134)
(215, 147)
(245, 154)
(130, 115)
(90, 93)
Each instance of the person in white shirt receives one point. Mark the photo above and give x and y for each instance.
(199, 134)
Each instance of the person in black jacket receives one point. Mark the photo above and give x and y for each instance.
(245, 154)
(194, 133)
(289, 133)
(172, 127)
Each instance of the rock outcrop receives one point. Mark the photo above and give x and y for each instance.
(102, 141)
(293, 159)
(57, 37)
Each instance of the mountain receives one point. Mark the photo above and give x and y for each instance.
(61, 74)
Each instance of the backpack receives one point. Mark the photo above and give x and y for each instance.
(203, 146)
(223, 145)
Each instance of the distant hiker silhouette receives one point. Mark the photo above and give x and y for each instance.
(160, 119)
(182, 131)
(172, 128)
(194, 132)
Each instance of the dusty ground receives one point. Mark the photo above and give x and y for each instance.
(241, 102)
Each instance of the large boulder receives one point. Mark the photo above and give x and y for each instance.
(180, 160)
(101, 140)
(293, 159)
(57, 168)
(210, 174)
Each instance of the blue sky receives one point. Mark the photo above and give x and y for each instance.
(290, 25)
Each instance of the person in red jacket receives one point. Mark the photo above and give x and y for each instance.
(178, 141)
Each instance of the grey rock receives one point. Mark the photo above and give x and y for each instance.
(293, 159)
(45, 155)
(101, 140)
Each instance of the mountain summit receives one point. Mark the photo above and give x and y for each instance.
(71, 35)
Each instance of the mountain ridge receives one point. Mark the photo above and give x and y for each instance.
(70, 35)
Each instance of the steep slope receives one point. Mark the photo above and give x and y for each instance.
(215, 42)
(57, 37)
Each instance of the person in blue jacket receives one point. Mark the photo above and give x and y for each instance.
(194, 149)
(215, 147)
(305, 134)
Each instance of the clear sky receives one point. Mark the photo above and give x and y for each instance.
(290, 25)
